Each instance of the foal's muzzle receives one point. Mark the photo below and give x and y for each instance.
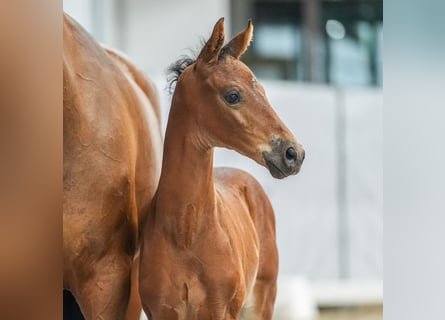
(284, 159)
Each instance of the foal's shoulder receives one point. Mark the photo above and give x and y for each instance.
(241, 183)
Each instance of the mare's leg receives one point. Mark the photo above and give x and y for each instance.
(105, 294)
(134, 306)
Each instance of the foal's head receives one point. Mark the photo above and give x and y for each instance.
(230, 108)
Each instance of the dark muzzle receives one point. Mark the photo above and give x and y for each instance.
(284, 159)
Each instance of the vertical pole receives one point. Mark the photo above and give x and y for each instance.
(312, 43)
(240, 11)
(342, 210)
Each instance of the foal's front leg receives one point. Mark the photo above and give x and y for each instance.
(263, 296)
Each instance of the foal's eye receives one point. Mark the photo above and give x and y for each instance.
(232, 97)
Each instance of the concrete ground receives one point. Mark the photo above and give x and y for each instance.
(353, 313)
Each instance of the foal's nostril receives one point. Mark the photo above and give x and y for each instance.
(291, 154)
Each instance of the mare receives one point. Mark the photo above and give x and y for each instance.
(112, 149)
(209, 248)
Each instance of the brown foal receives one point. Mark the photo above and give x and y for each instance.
(208, 248)
(112, 151)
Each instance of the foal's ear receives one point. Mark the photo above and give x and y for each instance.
(211, 49)
(239, 44)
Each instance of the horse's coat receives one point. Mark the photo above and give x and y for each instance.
(208, 248)
(112, 155)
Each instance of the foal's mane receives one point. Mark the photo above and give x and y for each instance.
(175, 70)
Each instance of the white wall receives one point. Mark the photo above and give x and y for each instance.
(153, 33)
(364, 181)
(158, 32)
(81, 10)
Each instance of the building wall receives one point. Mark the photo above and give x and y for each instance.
(153, 33)
(158, 32)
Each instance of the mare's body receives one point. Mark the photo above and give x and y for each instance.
(112, 156)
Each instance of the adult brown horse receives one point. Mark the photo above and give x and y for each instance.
(209, 249)
(112, 159)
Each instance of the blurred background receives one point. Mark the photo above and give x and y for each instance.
(320, 62)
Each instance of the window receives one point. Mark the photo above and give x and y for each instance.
(335, 42)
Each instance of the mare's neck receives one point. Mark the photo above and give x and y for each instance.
(186, 194)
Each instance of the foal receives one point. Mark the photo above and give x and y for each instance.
(209, 249)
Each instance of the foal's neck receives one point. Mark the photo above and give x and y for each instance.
(186, 193)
